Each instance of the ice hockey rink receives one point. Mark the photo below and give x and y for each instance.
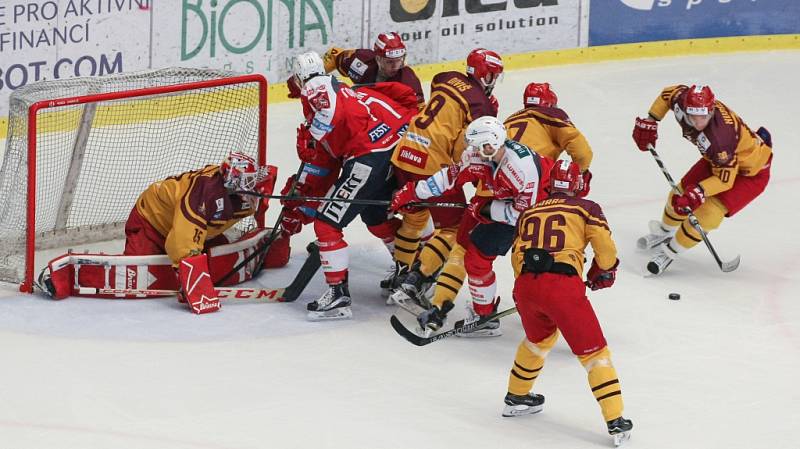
(716, 369)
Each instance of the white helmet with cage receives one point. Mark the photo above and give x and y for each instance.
(486, 131)
(307, 66)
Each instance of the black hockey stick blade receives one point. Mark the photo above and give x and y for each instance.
(304, 276)
(459, 328)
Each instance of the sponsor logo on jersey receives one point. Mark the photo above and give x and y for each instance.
(321, 126)
(220, 204)
(314, 170)
(414, 157)
(357, 69)
(355, 181)
(509, 169)
(422, 140)
(702, 142)
(376, 133)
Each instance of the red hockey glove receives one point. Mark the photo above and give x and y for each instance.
(645, 132)
(299, 190)
(305, 144)
(597, 278)
(474, 173)
(294, 88)
(194, 284)
(692, 198)
(587, 180)
(292, 221)
(479, 209)
(406, 194)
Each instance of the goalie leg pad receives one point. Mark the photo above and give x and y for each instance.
(195, 285)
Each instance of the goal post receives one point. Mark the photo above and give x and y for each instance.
(80, 151)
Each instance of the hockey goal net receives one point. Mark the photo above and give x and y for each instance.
(80, 151)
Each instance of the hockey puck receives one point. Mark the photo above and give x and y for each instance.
(674, 296)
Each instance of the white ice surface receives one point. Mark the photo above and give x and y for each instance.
(716, 369)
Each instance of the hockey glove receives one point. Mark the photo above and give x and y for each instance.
(479, 209)
(598, 278)
(294, 87)
(305, 144)
(587, 180)
(645, 132)
(495, 105)
(292, 221)
(692, 198)
(406, 194)
(299, 191)
(194, 284)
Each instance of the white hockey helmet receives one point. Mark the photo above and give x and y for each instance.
(483, 131)
(307, 66)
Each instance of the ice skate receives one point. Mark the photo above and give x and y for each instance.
(662, 258)
(412, 288)
(620, 430)
(524, 405)
(433, 319)
(392, 281)
(491, 329)
(657, 236)
(334, 304)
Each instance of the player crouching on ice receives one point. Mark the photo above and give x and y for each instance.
(733, 170)
(174, 239)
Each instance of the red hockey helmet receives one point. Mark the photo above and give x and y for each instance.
(539, 94)
(565, 176)
(240, 172)
(389, 45)
(485, 66)
(699, 100)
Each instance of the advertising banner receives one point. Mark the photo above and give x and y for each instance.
(251, 35)
(624, 21)
(48, 39)
(446, 30)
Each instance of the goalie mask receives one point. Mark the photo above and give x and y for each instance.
(240, 172)
(487, 135)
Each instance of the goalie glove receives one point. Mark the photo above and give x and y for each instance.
(194, 285)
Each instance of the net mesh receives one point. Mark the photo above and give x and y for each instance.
(94, 159)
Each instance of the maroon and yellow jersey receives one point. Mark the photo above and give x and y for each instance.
(549, 132)
(727, 143)
(564, 225)
(362, 68)
(435, 138)
(189, 208)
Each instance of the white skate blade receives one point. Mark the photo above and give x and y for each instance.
(340, 313)
(402, 300)
(520, 410)
(621, 438)
(481, 333)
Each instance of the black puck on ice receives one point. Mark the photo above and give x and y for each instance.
(674, 296)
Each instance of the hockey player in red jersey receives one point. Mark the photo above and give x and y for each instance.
(511, 178)
(550, 295)
(358, 130)
(734, 168)
(384, 62)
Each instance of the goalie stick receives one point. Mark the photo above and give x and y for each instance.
(725, 266)
(287, 294)
(461, 327)
(349, 200)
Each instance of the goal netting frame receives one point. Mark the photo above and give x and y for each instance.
(201, 115)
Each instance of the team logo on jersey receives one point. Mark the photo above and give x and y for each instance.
(220, 204)
(357, 69)
(318, 98)
(723, 158)
(702, 142)
(413, 157)
(376, 133)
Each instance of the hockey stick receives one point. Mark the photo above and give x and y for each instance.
(350, 200)
(262, 250)
(285, 294)
(725, 266)
(461, 327)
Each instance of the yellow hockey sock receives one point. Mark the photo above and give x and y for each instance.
(436, 252)
(407, 242)
(604, 382)
(449, 281)
(528, 363)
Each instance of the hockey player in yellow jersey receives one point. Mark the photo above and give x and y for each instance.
(435, 139)
(733, 169)
(550, 296)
